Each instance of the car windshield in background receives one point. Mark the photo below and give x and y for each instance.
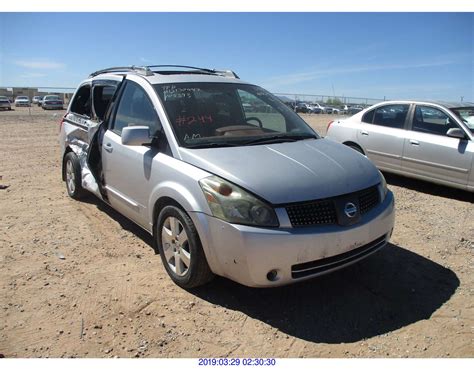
(466, 115)
(227, 114)
(22, 98)
(51, 97)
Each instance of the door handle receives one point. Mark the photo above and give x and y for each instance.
(414, 142)
(108, 147)
(364, 133)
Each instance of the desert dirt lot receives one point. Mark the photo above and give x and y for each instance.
(79, 280)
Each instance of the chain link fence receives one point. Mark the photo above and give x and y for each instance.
(292, 98)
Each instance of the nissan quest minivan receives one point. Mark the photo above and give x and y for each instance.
(250, 193)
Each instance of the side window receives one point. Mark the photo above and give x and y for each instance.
(135, 109)
(102, 94)
(392, 115)
(257, 110)
(82, 101)
(432, 120)
(369, 117)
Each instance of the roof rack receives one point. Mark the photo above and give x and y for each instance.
(143, 70)
(147, 70)
(227, 73)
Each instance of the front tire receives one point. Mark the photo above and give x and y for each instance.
(178, 244)
(73, 175)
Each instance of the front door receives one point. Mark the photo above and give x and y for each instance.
(127, 169)
(430, 153)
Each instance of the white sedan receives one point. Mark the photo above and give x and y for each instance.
(433, 141)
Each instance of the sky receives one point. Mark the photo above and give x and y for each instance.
(374, 55)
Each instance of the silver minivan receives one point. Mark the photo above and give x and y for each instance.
(250, 192)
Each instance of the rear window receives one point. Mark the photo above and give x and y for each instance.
(392, 115)
(369, 117)
(102, 96)
(81, 104)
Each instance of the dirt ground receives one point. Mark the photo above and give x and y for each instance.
(79, 280)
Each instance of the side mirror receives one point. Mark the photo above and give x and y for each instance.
(456, 133)
(136, 135)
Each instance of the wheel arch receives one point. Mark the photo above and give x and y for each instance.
(63, 168)
(181, 198)
(160, 204)
(354, 145)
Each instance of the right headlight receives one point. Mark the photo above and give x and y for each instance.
(382, 187)
(233, 204)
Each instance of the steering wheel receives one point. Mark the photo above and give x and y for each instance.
(260, 123)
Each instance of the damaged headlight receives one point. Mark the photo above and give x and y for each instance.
(232, 204)
(382, 187)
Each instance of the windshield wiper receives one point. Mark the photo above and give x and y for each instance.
(209, 145)
(281, 138)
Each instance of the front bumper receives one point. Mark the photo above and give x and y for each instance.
(52, 106)
(248, 254)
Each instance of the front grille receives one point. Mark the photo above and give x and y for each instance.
(323, 212)
(368, 199)
(314, 213)
(302, 270)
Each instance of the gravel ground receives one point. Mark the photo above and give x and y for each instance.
(79, 280)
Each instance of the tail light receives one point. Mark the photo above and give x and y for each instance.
(61, 122)
(329, 125)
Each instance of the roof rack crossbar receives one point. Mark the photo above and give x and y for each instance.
(138, 69)
(227, 73)
(146, 70)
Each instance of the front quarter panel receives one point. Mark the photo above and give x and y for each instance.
(181, 183)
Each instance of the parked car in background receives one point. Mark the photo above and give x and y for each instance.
(354, 109)
(433, 141)
(303, 108)
(318, 108)
(329, 109)
(5, 103)
(36, 99)
(22, 101)
(257, 197)
(52, 102)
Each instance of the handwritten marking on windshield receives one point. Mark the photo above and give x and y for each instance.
(190, 120)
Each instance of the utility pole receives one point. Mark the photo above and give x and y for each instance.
(462, 98)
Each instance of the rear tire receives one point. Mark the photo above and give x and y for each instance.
(72, 168)
(179, 246)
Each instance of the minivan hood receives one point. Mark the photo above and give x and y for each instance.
(289, 172)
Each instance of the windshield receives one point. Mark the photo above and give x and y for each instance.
(22, 98)
(51, 97)
(228, 114)
(466, 115)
